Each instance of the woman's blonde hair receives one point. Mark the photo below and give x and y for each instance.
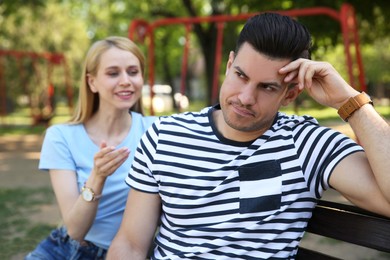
(88, 102)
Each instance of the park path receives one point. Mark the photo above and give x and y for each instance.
(19, 156)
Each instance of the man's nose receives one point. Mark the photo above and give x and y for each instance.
(247, 95)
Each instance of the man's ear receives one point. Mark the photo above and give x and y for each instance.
(91, 83)
(230, 62)
(292, 93)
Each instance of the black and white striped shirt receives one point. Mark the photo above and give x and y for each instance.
(223, 199)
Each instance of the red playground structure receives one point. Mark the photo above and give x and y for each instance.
(140, 30)
(43, 106)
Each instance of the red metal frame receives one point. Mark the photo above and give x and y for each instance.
(185, 58)
(139, 30)
(51, 58)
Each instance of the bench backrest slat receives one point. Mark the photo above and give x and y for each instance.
(307, 254)
(351, 224)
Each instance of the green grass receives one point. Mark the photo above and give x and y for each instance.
(20, 121)
(326, 115)
(18, 234)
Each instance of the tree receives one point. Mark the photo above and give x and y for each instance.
(77, 23)
(206, 34)
(40, 28)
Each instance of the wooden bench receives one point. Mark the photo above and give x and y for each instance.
(348, 224)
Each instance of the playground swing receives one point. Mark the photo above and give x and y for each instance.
(43, 107)
(41, 100)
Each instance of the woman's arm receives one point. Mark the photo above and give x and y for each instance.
(78, 214)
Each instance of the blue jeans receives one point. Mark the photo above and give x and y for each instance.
(58, 245)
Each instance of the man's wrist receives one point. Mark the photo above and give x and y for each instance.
(353, 104)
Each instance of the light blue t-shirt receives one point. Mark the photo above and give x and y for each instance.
(68, 147)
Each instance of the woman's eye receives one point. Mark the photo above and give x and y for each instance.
(112, 74)
(133, 72)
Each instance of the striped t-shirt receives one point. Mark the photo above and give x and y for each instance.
(223, 199)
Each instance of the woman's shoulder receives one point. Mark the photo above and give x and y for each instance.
(64, 129)
(145, 121)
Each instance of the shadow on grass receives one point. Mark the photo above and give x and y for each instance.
(18, 233)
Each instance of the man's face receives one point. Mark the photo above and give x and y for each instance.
(252, 93)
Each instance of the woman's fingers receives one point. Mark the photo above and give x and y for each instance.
(108, 159)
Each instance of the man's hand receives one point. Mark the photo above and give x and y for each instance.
(321, 80)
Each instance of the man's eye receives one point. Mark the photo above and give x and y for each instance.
(268, 87)
(239, 74)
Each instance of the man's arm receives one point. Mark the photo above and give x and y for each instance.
(362, 177)
(138, 227)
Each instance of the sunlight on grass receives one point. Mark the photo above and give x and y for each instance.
(20, 122)
(325, 115)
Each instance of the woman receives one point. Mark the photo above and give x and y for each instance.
(89, 157)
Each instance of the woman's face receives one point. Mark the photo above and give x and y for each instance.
(118, 81)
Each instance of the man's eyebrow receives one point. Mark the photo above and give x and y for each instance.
(272, 83)
(241, 71)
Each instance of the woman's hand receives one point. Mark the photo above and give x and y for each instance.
(108, 159)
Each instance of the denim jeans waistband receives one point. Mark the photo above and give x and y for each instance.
(59, 245)
(101, 252)
(85, 246)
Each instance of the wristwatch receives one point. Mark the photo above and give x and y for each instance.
(353, 104)
(89, 195)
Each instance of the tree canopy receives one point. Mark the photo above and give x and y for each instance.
(70, 26)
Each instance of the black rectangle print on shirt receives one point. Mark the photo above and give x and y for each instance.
(260, 187)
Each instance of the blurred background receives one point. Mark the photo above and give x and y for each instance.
(43, 44)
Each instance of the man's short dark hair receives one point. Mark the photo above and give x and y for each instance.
(276, 36)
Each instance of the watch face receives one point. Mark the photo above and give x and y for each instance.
(87, 195)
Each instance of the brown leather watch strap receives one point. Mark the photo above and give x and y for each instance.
(353, 104)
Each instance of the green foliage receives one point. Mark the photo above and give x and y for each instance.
(376, 60)
(326, 40)
(335, 56)
(71, 25)
(10, 7)
(45, 28)
(21, 130)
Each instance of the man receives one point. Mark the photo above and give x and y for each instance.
(240, 180)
